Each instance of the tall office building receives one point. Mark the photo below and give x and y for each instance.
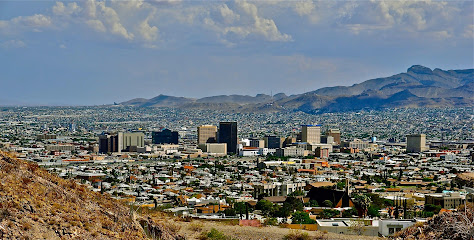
(130, 139)
(311, 133)
(121, 141)
(272, 142)
(228, 135)
(165, 136)
(336, 134)
(207, 134)
(416, 143)
(108, 143)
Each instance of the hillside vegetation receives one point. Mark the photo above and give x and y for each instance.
(457, 225)
(35, 204)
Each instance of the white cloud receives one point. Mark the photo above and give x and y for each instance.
(232, 22)
(165, 2)
(228, 16)
(12, 44)
(112, 20)
(241, 22)
(66, 10)
(303, 8)
(412, 18)
(97, 25)
(90, 9)
(35, 21)
(147, 32)
(469, 31)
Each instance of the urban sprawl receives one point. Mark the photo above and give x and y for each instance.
(369, 173)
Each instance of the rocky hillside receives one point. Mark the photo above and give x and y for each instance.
(418, 87)
(458, 225)
(35, 204)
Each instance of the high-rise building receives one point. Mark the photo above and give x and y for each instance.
(311, 133)
(207, 134)
(228, 135)
(108, 143)
(336, 134)
(272, 142)
(121, 141)
(416, 143)
(165, 136)
(130, 139)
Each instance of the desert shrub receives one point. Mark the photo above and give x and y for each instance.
(195, 227)
(296, 235)
(172, 227)
(25, 226)
(4, 213)
(321, 235)
(271, 222)
(32, 167)
(214, 234)
(25, 180)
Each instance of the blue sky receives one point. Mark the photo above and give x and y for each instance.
(100, 52)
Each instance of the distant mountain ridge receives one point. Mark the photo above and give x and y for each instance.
(418, 87)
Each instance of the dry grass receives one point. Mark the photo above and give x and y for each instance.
(196, 227)
(296, 235)
(258, 233)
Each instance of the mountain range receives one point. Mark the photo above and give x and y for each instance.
(418, 87)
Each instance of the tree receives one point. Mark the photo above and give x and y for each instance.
(341, 185)
(293, 203)
(261, 196)
(349, 213)
(363, 201)
(373, 211)
(329, 213)
(301, 218)
(400, 174)
(327, 203)
(239, 207)
(312, 203)
(432, 208)
(440, 189)
(230, 212)
(357, 226)
(265, 206)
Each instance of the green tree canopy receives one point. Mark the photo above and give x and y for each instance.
(327, 203)
(301, 218)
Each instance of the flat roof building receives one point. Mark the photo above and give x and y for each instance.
(311, 133)
(228, 135)
(165, 136)
(207, 134)
(416, 143)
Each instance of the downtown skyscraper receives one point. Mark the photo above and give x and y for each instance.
(228, 135)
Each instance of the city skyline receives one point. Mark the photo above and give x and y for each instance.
(93, 53)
